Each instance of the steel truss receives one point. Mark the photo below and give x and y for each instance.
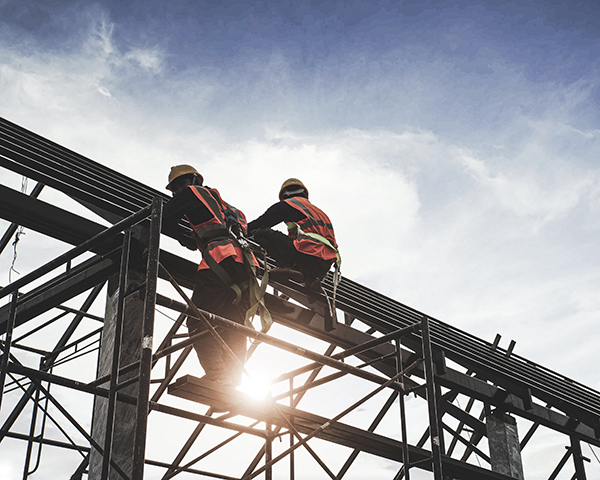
(395, 354)
(13, 368)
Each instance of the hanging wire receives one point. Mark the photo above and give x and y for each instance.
(20, 231)
(164, 314)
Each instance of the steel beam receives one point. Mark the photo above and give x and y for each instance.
(518, 381)
(49, 220)
(578, 459)
(48, 441)
(358, 315)
(4, 360)
(114, 368)
(60, 289)
(10, 231)
(146, 341)
(48, 361)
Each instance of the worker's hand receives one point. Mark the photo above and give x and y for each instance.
(187, 242)
(236, 229)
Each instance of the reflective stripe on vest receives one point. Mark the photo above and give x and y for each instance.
(220, 248)
(313, 235)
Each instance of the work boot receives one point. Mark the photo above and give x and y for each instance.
(313, 284)
(279, 274)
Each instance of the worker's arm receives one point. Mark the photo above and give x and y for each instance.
(184, 204)
(277, 213)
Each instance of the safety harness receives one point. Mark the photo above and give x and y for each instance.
(228, 226)
(297, 233)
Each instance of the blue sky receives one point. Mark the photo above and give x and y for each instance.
(455, 145)
(464, 57)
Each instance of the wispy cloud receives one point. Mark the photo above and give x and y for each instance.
(543, 195)
(58, 81)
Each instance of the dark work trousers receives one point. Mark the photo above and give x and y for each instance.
(281, 248)
(212, 295)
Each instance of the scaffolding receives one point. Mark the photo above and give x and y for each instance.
(389, 353)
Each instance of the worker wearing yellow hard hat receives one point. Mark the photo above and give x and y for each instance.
(182, 172)
(308, 251)
(221, 283)
(291, 185)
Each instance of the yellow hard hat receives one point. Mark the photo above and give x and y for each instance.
(291, 182)
(180, 170)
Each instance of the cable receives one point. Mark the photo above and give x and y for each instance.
(163, 313)
(20, 231)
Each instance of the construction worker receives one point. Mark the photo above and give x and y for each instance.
(308, 251)
(221, 283)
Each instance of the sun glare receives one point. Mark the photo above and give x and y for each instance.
(257, 386)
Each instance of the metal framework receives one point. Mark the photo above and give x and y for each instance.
(383, 353)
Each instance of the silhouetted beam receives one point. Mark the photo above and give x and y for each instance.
(515, 374)
(67, 227)
(190, 388)
(308, 322)
(49, 220)
(30, 154)
(489, 394)
(10, 231)
(471, 352)
(60, 289)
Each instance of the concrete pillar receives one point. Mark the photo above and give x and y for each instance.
(505, 451)
(124, 429)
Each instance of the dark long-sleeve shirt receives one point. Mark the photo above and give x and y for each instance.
(277, 213)
(183, 204)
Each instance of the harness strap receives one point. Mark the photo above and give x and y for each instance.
(212, 236)
(257, 293)
(318, 238)
(218, 269)
(256, 290)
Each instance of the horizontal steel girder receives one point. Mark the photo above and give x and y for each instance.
(190, 388)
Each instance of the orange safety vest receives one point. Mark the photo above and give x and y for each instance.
(220, 248)
(315, 222)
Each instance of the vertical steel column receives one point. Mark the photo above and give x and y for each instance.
(8, 340)
(578, 459)
(32, 431)
(269, 446)
(12, 418)
(405, 456)
(432, 406)
(139, 449)
(292, 457)
(41, 434)
(114, 373)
